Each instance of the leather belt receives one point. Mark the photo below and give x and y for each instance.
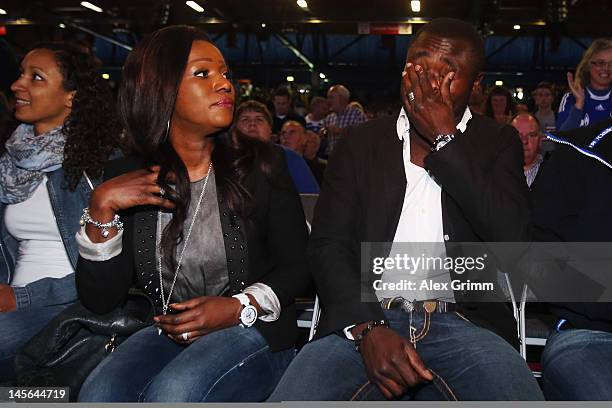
(429, 306)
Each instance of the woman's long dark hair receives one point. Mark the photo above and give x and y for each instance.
(151, 78)
(92, 128)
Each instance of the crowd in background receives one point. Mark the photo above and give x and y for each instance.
(308, 130)
(316, 121)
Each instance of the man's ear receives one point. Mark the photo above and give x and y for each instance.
(69, 99)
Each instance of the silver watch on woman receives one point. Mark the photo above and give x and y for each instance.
(248, 315)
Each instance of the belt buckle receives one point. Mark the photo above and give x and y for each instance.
(430, 306)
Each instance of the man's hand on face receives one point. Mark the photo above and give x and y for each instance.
(391, 361)
(431, 110)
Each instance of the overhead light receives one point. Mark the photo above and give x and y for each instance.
(302, 90)
(415, 6)
(105, 76)
(519, 93)
(499, 83)
(91, 6)
(62, 25)
(263, 25)
(290, 78)
(326, 80)
(517, 27)
(322, 75)
(195, 6)
(302, 4)
(2, 11)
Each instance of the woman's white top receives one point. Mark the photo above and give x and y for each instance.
(41, 252)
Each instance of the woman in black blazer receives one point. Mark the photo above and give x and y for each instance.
(212, 230)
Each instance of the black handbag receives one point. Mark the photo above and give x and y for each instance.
(76, 341)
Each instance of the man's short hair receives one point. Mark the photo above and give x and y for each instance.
(254, 106)
(527, 114)
(458, 30)
(282, 91)
(546, 85)
(293, 122)
(341, 90)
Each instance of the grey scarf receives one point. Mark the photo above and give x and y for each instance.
(26, 160)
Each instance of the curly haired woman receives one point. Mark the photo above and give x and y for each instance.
(68, 130)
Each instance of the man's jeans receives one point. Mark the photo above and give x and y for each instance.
(467, 362)
(17, 328)
(233, 364)
(577, 365)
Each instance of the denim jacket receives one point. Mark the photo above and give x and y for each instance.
(67, 208)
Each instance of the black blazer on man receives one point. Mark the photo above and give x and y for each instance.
(268, 247)
(484, 199)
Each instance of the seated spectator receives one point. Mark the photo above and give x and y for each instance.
(283, 111)
(341, 117)
(544, 97)
(68, 130)
(386, 183)
(528, 129)
(478, 100)
(590, 97)
(214, 235)
(253, 119)
(319, 108)
(311, 150)
(572, 200)
(295, 137)
(500, 105)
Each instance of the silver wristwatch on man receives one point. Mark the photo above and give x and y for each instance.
(441, 141)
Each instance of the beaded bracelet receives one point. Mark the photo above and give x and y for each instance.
(86, 219)
(364, 332)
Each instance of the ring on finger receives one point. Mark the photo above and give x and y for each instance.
(162, 191)
(411, 96)
(185, 336)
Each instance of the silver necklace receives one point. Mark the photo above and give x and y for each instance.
(166, 301)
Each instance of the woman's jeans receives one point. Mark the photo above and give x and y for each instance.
(233, 364)
(577, 365)
(467, 362)
(16, 329)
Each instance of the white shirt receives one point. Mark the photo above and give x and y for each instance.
(41, 253)
(420, 231)
(421, 218)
